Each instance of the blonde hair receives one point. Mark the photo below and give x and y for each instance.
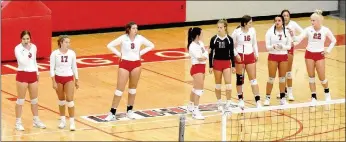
(225, 24)
(318, 14)
(61, 39)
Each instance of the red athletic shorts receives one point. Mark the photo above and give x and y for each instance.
(291, 51)
(314, 55)
(129, 65)
(220, 65)
(249, 59)
(278, 58)
(26, 77)
(197, 68)
(63, 79)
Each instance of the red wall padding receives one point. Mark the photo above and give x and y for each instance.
(83, 15)
(25, 15)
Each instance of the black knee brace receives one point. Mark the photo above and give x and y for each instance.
(240, 79)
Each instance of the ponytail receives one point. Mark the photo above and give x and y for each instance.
(192, 34)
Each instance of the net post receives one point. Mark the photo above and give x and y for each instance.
(181, 127)
(224, 126)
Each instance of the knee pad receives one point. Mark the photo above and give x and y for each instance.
(62, 102)
(118, 93)
(289, 75)
(34, 101)
(70, 104)
(271, 80)
(20, 101)
(324, 81)
(282, 79)
(253, 82)
(198, 92)
(240, 79)
(218, 86)
(132, 91)
(311, 80)
(228, 86)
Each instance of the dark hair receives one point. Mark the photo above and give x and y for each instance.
(128, 27)
(244, 20)
(283, 24)
(192, 34)
(61, 39)
(25, 32)
(285, 10)
(225, 24)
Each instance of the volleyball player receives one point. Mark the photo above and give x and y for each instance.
(246, 45)
(278, 42)
(27, 79)
(199, 56)
(315, 52)
(221, 58)
(293, 28)
(64, 74)
(129, 66)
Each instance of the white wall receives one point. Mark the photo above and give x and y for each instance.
(211, 10)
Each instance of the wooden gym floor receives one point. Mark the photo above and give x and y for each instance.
(165, 82)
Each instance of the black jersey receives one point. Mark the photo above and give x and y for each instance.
(222, 48)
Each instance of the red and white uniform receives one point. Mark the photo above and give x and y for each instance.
(63, 66)
(245, 43)
(295, 28)
(197, 51)
(130, 50)
(316, 41)
(27, 65)
(279, 38)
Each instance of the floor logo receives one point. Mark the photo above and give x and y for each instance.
(160, 112)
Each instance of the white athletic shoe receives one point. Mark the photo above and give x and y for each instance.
(241, 104)
(283, 101)
(19, 126)
(39, 124)
(190, 107)
(72, 126)
(219, 105)
(197, 115)
(110, 117)
(258, 104)
(327, 96)
(313, 102)
(62, 124)
(290, 97)
(266, 102)
(130, 114)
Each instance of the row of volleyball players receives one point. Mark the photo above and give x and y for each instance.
(241, 52)
(62, 69)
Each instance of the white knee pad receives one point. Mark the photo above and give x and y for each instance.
(62, 102)
(228, 86)
(34, 101)
(289, 75)
(70, 104)
(311, 80)
(282, 79)
(132, 91)
(324, 81)
(218, 86)
(198, 92)
(118, 93)
(271, 80)
(253, 82)
(20, 101)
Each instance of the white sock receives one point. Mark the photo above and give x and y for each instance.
(289, 89)
(191, 103)
(18, 120)
(36, 118)
(71, 119)
(195, 107)
(62, 118)
(219, 101)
